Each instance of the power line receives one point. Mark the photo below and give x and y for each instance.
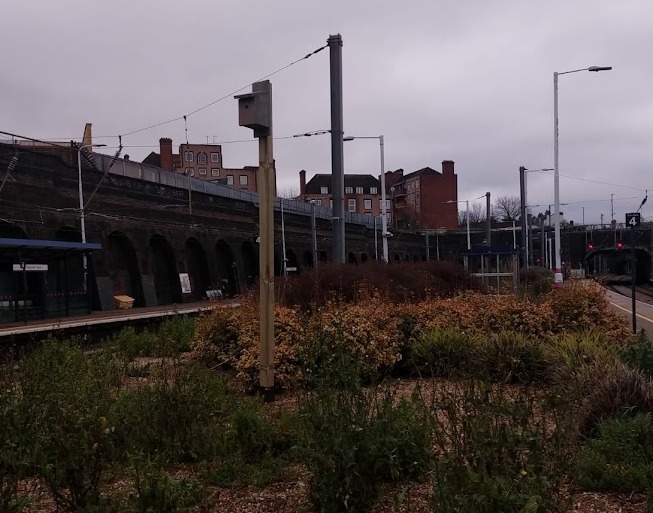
(228, 95)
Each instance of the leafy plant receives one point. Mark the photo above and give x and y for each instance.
(68, 397)
(176, 334)
(158, 492)
(354, 440)
(620, 458)
(499, 449)
(639, 354)
(132, 343)
(180, 415)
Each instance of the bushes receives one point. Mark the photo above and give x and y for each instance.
(639, 355)
(67, 398)
(173, 336)
(354, 440)
(178, 417)
(620, 458)
(396, 282)
(499, 450)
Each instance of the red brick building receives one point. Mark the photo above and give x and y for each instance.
(203, 161)
(419, 199)
(362, 192)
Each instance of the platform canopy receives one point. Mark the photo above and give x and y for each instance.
(34, 247)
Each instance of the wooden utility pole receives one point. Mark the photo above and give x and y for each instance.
(255, 112)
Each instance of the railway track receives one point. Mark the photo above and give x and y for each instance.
(621, 285)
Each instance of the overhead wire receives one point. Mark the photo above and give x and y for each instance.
(228, 95)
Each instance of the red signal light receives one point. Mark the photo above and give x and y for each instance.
(590, 246)
(620, 245)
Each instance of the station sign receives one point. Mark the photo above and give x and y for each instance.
(30, 267)
(633, 219)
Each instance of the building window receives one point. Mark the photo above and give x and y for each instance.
(359, 190)
(368, 204)
(373, 190)
(201, 158)
(352, 205)
(330, 203)
(349, 190)
(368, 213)
(188, 156)
(215, 157)
(189, 171)
(215, 171)
(242, 179)
(318, 202)
(324, 190)
(202, 171)
(230, 179)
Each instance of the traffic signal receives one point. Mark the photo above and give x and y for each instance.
(620, 245)
(590, 246)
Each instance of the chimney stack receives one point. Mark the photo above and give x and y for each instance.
(302, 184)
(165, 146)
(447, 167)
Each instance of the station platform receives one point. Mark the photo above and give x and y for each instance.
(104, 320)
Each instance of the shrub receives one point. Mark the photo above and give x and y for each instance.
(611, 391)
(68, 396)
(15, 446)
(620, 458)
(446, 352)
(639, 354)
(132, 343)
(354, 440)
(176, 334)
(511, 357)
(158, 492)
(397, 282)
(535, 282)
(180, 416)
(499, 450)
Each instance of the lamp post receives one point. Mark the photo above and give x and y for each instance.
(556, 170)
(384, 217)
(82, 216)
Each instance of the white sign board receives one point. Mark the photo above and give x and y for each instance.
(30, 267)
(185, 283)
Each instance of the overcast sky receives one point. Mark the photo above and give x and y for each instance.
(466, 80)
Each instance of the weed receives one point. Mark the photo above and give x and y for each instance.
(639, 354)
(620, 458)
(175, 335)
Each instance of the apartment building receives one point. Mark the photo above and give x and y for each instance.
(203, 161)
(362, 192)
(424, 199)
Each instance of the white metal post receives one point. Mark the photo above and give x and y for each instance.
(557, 277)
(469, 243)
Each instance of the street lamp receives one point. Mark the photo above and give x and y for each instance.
(466, 202)
(82, 216)
(384, 217)
(283, 240)
(556, 170)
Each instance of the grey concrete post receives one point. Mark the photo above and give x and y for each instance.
(337, 154)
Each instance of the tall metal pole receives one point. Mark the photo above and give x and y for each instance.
(522, 209)
(314, 232)
(633, 277)
(557, 277)
(469, 240)
(384, 215)
(283, 241)
(82, 216)
(488, 220)
(337, 154)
